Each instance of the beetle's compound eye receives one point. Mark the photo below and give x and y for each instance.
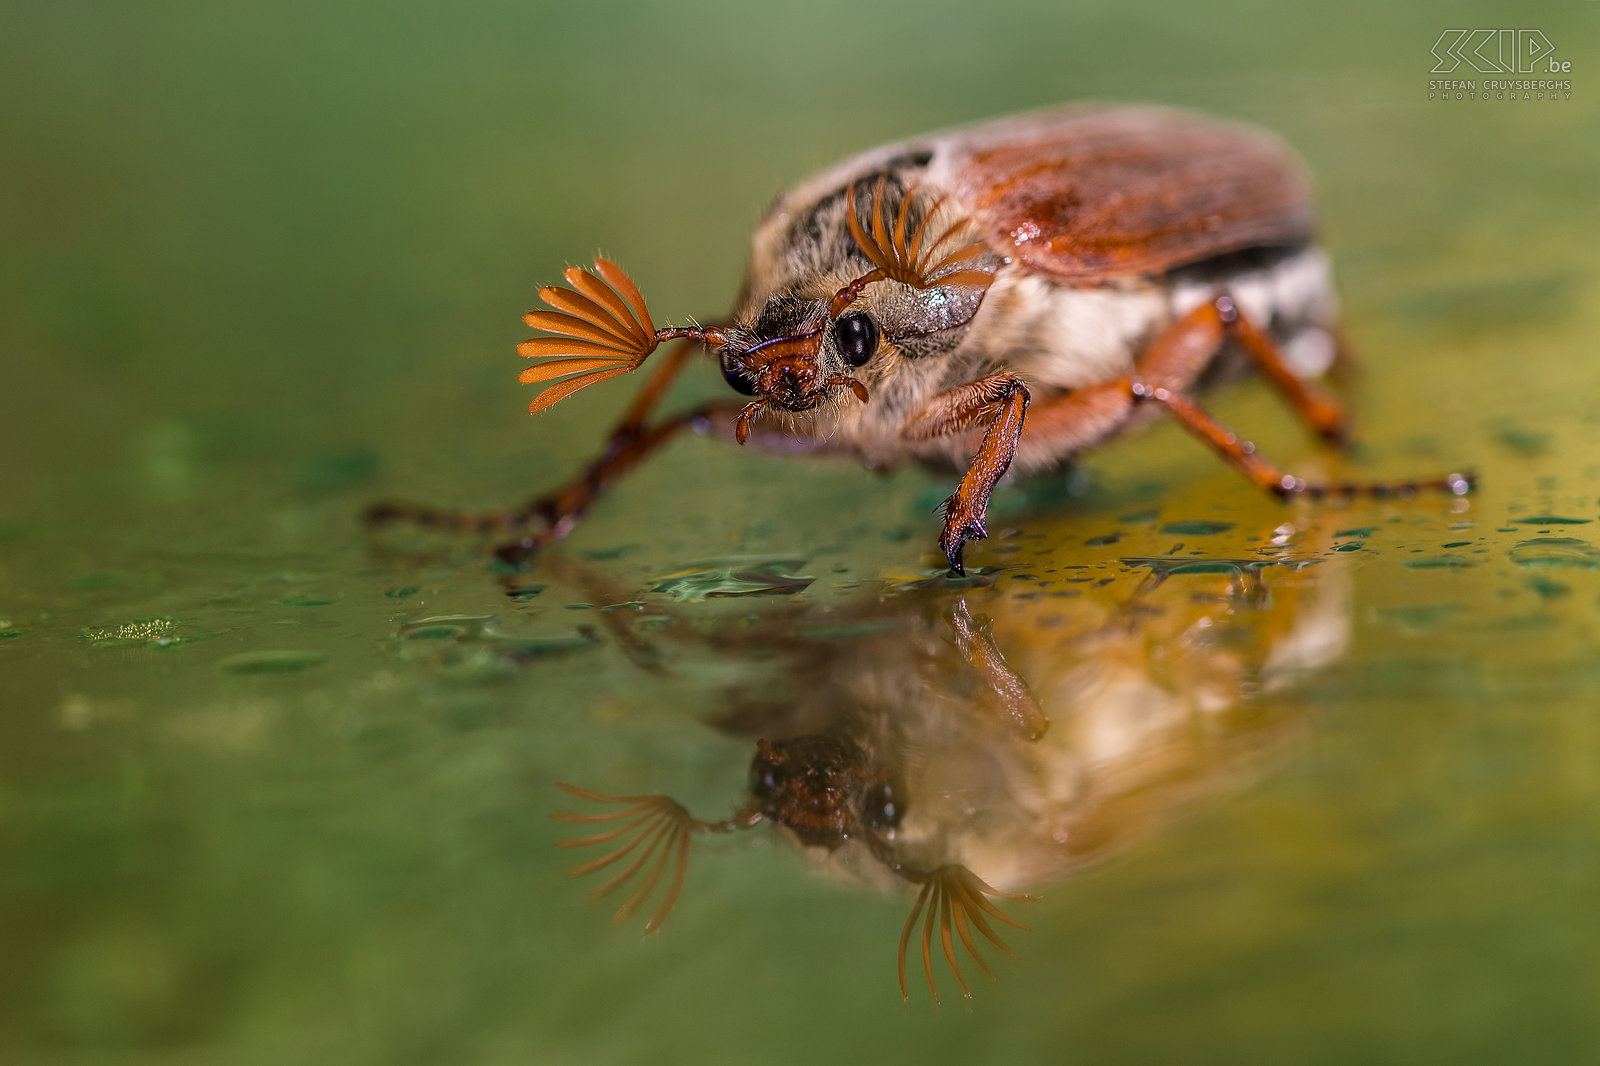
(765, 779)
(856, 337)
(736, 377)
(881, 807)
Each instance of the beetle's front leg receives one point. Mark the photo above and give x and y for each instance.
(1001, 400)
(630, 439)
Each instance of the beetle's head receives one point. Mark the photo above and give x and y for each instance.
(901, 283)
(891, 286)
(795, 358)
(823, 788)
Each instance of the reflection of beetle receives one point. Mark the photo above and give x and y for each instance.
(903, 741)
(1065, 268)
(827, 792)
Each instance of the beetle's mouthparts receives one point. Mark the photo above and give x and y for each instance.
(741, 425)
(792, 382)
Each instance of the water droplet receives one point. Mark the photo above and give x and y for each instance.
(448, 626)
(1196, 528)
(1547, 589)
(718, 578)
(1245, 573)
(272, 662)
(1556, 551)
(1417, 619)
(1364, 531)
(1550, 520)
(1350, 546)
(1165, 566)
(156, 632)
(1439, 562)
(1103, 541)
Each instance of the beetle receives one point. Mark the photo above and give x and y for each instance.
(999, 297)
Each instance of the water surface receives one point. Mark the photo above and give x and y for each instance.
(1321, 783)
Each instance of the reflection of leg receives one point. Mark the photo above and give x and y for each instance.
(975, 641)
(1001, 400)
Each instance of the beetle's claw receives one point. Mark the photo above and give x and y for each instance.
(954, 542)
(953, 553)
(960, 526)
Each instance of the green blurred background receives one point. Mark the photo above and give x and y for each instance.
(260, 264)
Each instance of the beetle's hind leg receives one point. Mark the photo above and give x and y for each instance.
(1167, 371)
(1177, 357)
(1169, 367)
(1241, 454)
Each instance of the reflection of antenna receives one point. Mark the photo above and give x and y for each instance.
(657, 828)
(657, 821)
(955, 892)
